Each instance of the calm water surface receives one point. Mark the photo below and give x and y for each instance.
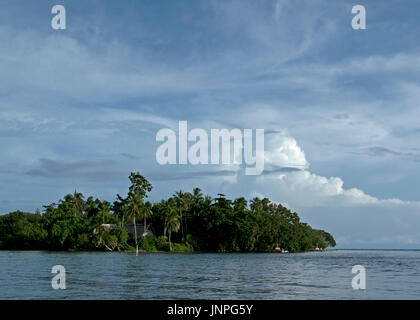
(326, 275)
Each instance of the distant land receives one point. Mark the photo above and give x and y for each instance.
(186, 222)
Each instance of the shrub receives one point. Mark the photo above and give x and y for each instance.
(83, 241)
(121, 234)
(161, 243)
(181, 247)
(147, 243)
(126, 247)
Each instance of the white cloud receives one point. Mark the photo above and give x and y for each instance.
(282, 151)
(304, 188)
(308, 189)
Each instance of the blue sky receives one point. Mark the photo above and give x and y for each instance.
(80, 108)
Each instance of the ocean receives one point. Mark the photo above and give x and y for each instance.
(389, 274)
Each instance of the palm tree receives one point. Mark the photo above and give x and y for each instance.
(196, 200)
(182, 202)
(79, 204)
(256, 205)
(103, 210)
(172, 225)
(240, 204)
(188, 202)
(134, 209)
(197, 197)
(169, 210)
(147, 213)
(119, 208)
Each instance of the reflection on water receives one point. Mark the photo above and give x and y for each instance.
(96, 275)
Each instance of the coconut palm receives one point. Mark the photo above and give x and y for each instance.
(197, 197)
(172, 225)
(182, 202)
(119, 207)
(170, 209)
(78, 201)
(103, 210)
(147, 213)
(134, 209)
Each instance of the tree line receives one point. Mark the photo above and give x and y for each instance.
(187, 221)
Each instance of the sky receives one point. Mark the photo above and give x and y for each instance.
(80, 108)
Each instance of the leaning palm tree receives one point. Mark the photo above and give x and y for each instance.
(134, 210)
(147, 213)
(172, 225)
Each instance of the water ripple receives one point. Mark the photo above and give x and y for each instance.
(95, 275)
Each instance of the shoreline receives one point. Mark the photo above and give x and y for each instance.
(169, 252)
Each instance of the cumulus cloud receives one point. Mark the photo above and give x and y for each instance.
(308, 189)
(304, 188)
(282, 151)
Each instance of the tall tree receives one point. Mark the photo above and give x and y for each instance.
(138, 190)
(79, 203)
(103, 210)
(170, 210)
(134, 207)
(147, 213)
(172, 225)
(139, 185)
(119, 208)
(182, 203)
(197, 199)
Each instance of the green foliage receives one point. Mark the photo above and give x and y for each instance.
(151, 243)
(224, 225)
(147, 243)
(83, 241)
(121, 234)
(161, 243)
(139, 185)
(184, 222)
(19, 230)
(126, 247)
(181, 247)
(63, 224)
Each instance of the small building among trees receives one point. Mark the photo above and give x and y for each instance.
(141, 231)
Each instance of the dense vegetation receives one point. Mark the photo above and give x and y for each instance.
(184, 222)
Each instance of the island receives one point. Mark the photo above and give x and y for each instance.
(185, 222)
